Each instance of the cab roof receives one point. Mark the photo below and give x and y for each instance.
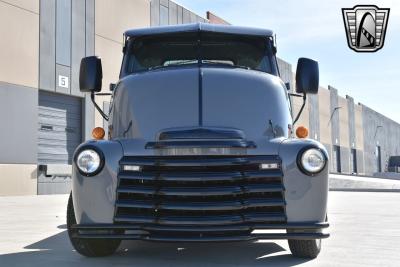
(203, 27)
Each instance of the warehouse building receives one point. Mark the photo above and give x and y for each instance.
(45, 116)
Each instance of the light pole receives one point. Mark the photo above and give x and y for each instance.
(376, 130)
(333, 112)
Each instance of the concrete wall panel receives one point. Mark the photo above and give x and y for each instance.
(63, 32)
(180, 14)
(90, 51)
(345, 160)
(173, 13)
(47, 62)
(324, 115)
(334, 121)
(63, 71)
(18, 137)
(30, 5)
(19, 42)
(113, 18)
(163, 15)
(329, 149)
(18, 179)
(155, 12)
(193, 17)
(78, 41)
(286, 73)
(164, 3)
(358, 125)
(90, 27)
(360, 162)
(344, 122)
(313, 106)
(379, 131)
(111, 57)
(351, 120)
(186, 16)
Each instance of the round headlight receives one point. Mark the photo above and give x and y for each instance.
(88, 161)
(312, 161)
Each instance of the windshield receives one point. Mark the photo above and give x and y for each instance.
(207, 49)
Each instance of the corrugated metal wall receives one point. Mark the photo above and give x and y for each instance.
(59, 127)
(59, 133)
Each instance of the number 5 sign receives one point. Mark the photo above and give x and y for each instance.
(63, 81)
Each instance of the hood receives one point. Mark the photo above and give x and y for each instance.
(148, 104)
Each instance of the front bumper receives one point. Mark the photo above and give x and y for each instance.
(164, 233)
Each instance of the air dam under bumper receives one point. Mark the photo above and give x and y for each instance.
(161, 233)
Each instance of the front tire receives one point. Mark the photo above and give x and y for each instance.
(88, 247)
(308, 249)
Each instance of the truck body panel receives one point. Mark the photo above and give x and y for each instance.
(201, 145)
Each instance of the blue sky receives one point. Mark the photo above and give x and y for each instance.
(315, 29)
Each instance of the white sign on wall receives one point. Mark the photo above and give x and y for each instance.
(63, 81)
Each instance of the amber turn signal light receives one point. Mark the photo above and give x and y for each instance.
(98, 133)
(301, 132)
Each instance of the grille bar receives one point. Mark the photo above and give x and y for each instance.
(200, 190)
(201, 206)
(203, 219)
(201, 176)
(179, 161)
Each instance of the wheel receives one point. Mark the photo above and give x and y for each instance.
(88, 247)
(305, 248)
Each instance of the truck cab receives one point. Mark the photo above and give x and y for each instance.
(200, 146)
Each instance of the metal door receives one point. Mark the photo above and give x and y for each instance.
(336, 166)
(59, 133)
(353, 161)
(378, 159)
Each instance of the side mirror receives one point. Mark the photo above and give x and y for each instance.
(90, 74)
(307, 76)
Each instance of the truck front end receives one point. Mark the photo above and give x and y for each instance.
(200, 147)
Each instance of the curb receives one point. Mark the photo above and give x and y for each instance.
(365, 190)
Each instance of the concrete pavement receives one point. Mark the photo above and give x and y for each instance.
(364, 232)
(361, 183)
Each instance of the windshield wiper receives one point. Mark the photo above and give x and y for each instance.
(225, 64)
(186, 62)
(194, 61)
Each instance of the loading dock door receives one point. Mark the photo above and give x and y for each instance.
(378, 159)
(353, 161)
(60, 132)
(336, 159)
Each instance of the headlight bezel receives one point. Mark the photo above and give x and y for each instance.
(300, 164)
(101, 157)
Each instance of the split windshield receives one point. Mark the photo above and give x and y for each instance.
(207, 49)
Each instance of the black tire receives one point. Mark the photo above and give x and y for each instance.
(88, 247)
(308, 249)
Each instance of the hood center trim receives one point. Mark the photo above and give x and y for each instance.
(200, 97)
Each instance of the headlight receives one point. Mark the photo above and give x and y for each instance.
(312, 161)
(89, 162)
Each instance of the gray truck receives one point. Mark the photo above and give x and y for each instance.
(200, 146)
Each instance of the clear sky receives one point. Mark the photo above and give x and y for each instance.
(315, 29)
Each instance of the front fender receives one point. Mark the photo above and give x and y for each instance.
(306, 196)
(94, 197)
